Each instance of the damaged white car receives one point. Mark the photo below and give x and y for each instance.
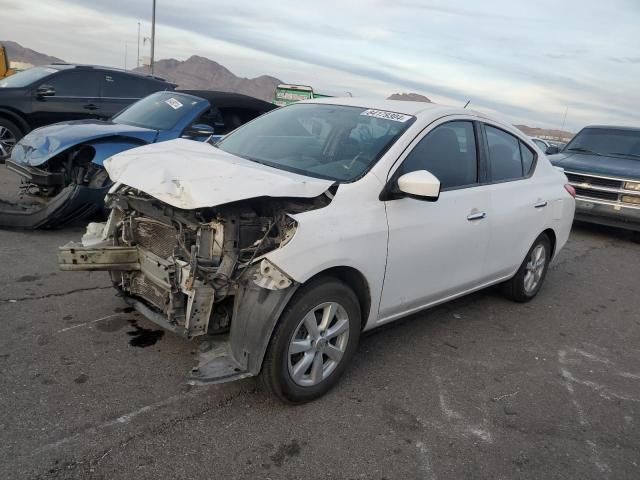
(318, 221)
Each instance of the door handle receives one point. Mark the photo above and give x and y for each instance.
(90, 106)
(476, 216)
(540, 204)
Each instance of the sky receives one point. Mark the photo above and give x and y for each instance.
(529, 62)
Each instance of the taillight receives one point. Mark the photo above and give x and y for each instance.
(570, 189)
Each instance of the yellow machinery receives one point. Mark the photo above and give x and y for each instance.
(5, 69)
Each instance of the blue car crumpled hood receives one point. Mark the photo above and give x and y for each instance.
(597, 164)
(44, 143)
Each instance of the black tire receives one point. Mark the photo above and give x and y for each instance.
(635, 237)
(515, 288)
(14, 131)
(275, 375)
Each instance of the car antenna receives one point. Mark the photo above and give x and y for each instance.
(466, 104)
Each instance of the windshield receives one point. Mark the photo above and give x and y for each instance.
(159, 111)
(607, 141)
(23, 79)
(326, 141)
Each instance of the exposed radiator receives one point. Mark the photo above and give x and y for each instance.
(141, 287)
(155, 236)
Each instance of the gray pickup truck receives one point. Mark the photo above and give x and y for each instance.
(603, 165)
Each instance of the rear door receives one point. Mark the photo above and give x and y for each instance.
(121, 90)
(437, 248)
(76, 97)
(517, 202)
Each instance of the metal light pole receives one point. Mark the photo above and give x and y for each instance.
(153, 33)
(564, 118)
(138, 57)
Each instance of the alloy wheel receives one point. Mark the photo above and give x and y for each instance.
(7, 141)
(318, 344)
(535, 268)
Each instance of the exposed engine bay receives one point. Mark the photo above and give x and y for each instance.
(185, 269)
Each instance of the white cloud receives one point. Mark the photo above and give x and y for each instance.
(529, 62)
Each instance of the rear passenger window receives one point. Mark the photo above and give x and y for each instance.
(449, 152)
(506, 160)
(115, 85)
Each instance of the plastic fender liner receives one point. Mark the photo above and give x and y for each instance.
(72, 203)
(256, 312)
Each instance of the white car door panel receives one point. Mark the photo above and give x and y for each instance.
(436, 249)
(514, 219)
(519, 203)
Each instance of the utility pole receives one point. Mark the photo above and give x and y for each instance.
(138, 57)
(125, 55)
(564, 118)
(153, 33)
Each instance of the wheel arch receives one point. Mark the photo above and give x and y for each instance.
(15, 118)
(355, 280)
(551, 234)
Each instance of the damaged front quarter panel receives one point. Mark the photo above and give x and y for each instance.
(197, 272)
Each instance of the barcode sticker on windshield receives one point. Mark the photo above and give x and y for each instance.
(173, 103)
(396, 117)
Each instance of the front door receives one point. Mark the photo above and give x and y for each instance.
(437, 249)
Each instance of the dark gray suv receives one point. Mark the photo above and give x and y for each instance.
(61, 92)
(603, 165)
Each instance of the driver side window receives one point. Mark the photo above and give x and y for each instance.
(449, 152)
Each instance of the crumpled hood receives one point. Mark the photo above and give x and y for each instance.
(190, 175)
(44, 143)
(597, 164)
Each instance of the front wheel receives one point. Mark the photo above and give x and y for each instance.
(528, 280)
(9, 136)
(314, 340)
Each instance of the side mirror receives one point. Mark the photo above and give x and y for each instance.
(552, 150)
(45, 91)
(198, 130)
(421, 184)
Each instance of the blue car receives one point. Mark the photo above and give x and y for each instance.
(61, 165)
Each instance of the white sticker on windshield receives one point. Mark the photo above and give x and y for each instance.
(173, 103)
(383, 114)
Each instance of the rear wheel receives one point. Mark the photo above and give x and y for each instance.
(530, 276)
(314, 340)
(9, 136)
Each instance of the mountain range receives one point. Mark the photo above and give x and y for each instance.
(200, 73)
(18, 53)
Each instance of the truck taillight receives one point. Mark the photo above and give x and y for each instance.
(570, 189)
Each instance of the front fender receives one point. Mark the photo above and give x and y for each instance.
(105, 149)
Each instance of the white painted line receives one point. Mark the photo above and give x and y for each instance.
(90, 322)
(121, 420)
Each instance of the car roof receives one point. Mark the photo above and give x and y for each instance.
(632, 129)
(80, 66)
(230, 100)
(417, 109)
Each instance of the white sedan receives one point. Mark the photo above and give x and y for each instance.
(319, 220)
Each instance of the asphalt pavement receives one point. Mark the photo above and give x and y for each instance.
(480, 388)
